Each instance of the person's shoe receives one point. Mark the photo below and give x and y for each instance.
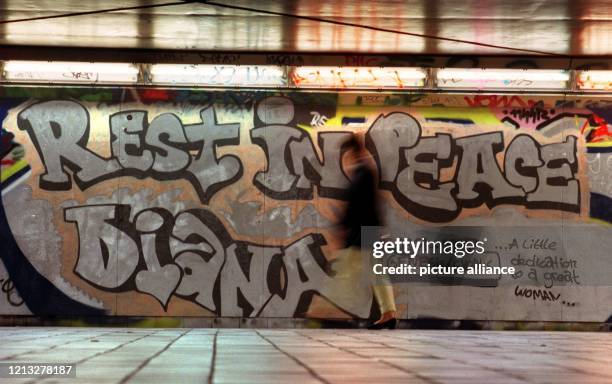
(389, 324)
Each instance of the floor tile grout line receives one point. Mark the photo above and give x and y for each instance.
(400, 368)
(311, 371)
(115, 348)
(390, 346)
(102, 352)
(53, 346)
(468, 363)
(504, 372)
(130, 375)
(500, 371)
(38, 338)
(213, 359)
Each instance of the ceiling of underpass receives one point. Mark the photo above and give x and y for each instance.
(428, 27)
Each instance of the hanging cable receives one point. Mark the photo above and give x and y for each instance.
(95, 12)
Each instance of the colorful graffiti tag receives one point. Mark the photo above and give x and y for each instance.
(194, 203)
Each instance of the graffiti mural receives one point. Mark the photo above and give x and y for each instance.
(200, 203)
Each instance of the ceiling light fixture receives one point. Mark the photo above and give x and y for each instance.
(358, 77)
(69, 72)
(218, 75)
(594, 80)
(501, 79)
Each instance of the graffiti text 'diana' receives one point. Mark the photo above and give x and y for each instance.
(192, 256)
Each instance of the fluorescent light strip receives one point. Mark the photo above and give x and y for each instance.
(502, 79)
(305, 77)
(70, 72)
(218, 75)
(358, 77)
(595, 80)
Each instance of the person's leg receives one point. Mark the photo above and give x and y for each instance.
(383, 293)
(349, 287)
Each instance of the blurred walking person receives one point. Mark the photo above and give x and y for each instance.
(363, 210)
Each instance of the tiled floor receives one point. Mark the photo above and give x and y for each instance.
(113, 355)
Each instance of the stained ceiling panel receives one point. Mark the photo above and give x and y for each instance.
(530, 27)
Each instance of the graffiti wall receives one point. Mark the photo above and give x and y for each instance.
(210, 203)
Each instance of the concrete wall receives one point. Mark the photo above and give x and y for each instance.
(194, 203)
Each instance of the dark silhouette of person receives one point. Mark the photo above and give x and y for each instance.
(363, 210)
